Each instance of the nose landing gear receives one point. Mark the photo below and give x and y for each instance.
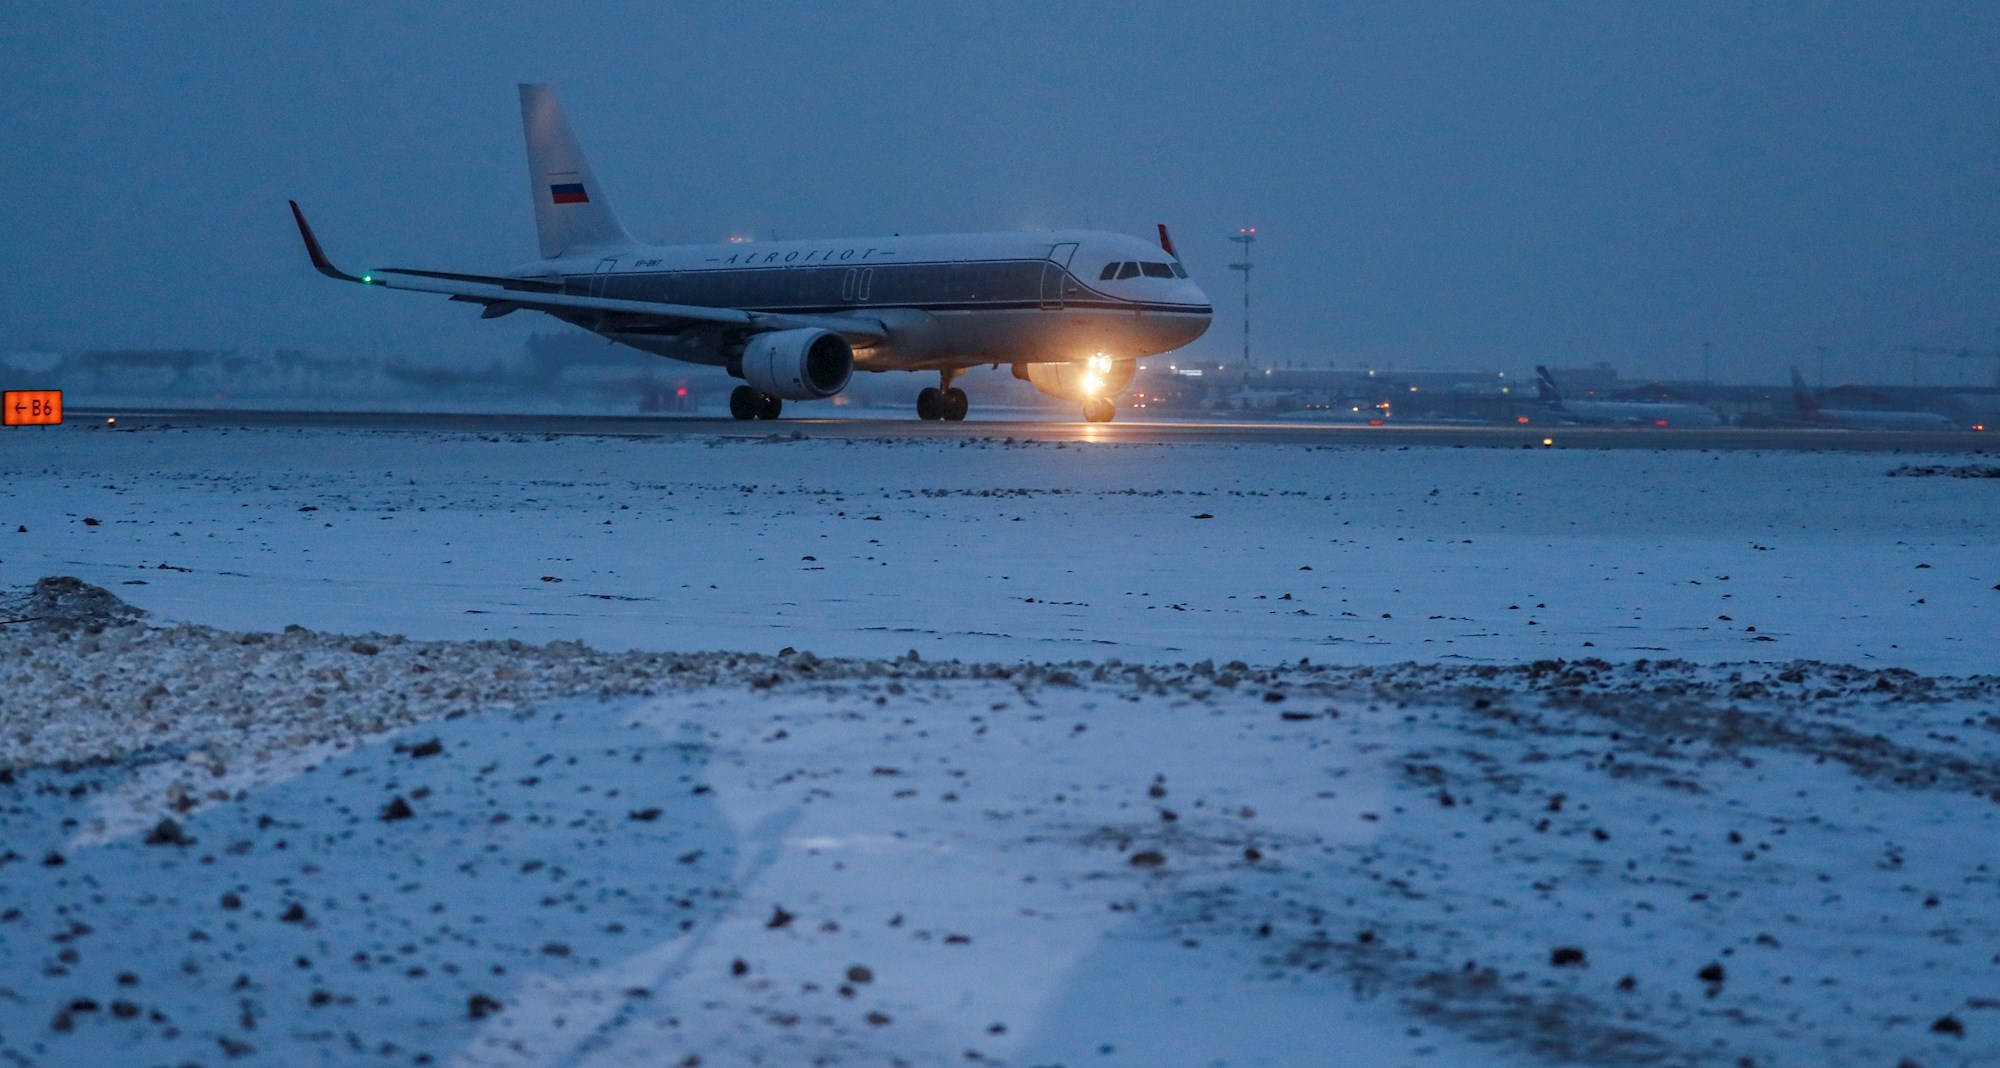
(1099, 410)
(748, 403)
(943, 401)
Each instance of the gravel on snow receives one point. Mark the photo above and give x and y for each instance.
(309, 847)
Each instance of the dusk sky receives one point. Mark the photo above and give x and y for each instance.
(1435, 185)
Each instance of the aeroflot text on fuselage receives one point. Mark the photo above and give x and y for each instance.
(751, 258)
(954, 302)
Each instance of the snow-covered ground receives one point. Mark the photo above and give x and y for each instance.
(987, 549)
(1528, 801)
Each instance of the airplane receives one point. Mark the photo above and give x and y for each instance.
(1625, 413)
(1861, 418)
(1071, 310)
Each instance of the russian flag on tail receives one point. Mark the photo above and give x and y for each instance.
(569, 193)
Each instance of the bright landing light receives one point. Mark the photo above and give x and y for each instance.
(1095, 368)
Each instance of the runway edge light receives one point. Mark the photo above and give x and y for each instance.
(31, 407)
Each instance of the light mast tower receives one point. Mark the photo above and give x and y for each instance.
(1245, 237)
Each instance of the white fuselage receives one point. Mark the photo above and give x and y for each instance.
(1865, 419)
(1812, 414)
(948, 300)
(1640, 413)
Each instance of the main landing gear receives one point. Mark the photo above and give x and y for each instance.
(747, 403)
(1099, 410)
(950, 404)
(943, 401)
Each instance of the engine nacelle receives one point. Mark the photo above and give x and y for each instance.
(798, 364)
(1083, 380)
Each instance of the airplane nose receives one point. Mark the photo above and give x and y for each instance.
(1196, 324)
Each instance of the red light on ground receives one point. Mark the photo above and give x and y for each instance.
(681, 392)
(1659, 422)
(1374, 422)
(1521, 419)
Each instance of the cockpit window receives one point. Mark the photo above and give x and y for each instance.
(1179, 271)
(1128, 269)
(1157, 270)
(1110, 269)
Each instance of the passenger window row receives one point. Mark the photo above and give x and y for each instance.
(1129, 269)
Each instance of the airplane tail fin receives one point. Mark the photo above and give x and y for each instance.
(1545, 386)
(571, 210)
(1802, 398)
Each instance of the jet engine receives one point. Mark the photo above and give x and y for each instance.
(798, 364)
(1083, 380)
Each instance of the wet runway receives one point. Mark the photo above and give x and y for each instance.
(1125, 432)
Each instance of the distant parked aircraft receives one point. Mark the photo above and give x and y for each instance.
(1621, 413)
(1071, 310)
(1861, 418)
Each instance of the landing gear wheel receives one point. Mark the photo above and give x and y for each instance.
(1098, 410)
(930, 403)
(745, 403)
(954, 404)
(769, 407)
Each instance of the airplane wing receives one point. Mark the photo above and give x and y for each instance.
(504, 295)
